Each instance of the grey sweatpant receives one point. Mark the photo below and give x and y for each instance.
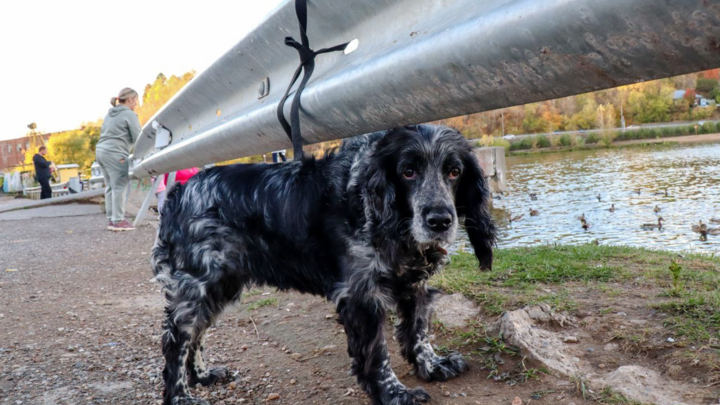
(114, 168)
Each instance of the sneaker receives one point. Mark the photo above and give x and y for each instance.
(110, 225)
(123, 225)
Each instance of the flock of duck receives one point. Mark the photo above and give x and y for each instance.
(700, 228)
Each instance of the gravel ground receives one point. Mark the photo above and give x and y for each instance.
(80, 324)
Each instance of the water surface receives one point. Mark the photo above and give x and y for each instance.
(567, 183)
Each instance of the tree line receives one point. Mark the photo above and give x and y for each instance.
(647, 102)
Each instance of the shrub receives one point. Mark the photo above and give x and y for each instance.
(592, 138)
(565, 140)
(717, 126)
(501, 142)
(707, 128)
(608, 137)
(523, 144)
(487, 141)
(579, 141)
(542, 141)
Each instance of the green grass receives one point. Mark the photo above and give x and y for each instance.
(263, 303)
(685, 288)
(607, 396)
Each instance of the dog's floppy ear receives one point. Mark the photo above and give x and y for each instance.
(472, 202)
(379, 189)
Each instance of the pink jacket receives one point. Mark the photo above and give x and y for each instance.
(182, 177)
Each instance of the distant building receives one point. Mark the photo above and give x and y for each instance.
(700, 101)
(678, 94)
(12, 151)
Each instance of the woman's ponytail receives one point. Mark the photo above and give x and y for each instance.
(125, 94)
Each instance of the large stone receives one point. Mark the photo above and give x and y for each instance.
(518, 328)
(521, 328)
(643, 385)
(455, 310)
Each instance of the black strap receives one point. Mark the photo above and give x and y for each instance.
(307, 63)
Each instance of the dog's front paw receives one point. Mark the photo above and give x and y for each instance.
(219, 374)
(441, 368)
(189, 401)
(408, 396)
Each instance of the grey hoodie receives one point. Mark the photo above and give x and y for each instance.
(119, 131)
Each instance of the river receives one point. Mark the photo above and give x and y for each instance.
(567, 183)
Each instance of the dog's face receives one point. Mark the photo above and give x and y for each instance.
(420, 181)
(427, 175)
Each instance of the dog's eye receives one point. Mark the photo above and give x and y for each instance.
(409, 173)
(454, 173)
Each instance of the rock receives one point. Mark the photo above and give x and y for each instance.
(517, 401)
(583, 314)
(273, 396)
(296, 356)
(518, 329)
(621, 314)
(570, 339)
(611, 347)
(446, 393)
(674, 371)
(293, 381)
(643, 385)
(329, 316)
(328, 348)
(455, 310)
(601, 365)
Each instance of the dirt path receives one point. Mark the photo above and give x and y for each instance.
(80, 324)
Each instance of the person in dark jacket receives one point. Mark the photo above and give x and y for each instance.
(43, 172)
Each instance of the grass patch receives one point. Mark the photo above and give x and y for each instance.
(683, 287)
(609, 397)
(263, 303)
(696, 316)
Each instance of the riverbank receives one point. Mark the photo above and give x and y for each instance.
(706, 138)
(623, 306)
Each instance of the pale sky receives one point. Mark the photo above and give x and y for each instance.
(62, 61)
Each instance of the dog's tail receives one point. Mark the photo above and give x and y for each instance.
(160, 260)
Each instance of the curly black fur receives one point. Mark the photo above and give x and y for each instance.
(364, 227)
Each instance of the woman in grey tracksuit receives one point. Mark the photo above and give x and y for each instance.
(118, 134)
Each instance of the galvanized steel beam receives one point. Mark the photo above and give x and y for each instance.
(423, 60)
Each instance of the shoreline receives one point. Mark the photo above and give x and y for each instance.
(706, 138)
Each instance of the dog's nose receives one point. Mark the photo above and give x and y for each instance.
(439, 219)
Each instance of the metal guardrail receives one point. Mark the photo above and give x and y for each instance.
(422, 60)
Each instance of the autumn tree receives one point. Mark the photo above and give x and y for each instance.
(159, 92)
(68, 147)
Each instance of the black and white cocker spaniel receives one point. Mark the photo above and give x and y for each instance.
(365, 227)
